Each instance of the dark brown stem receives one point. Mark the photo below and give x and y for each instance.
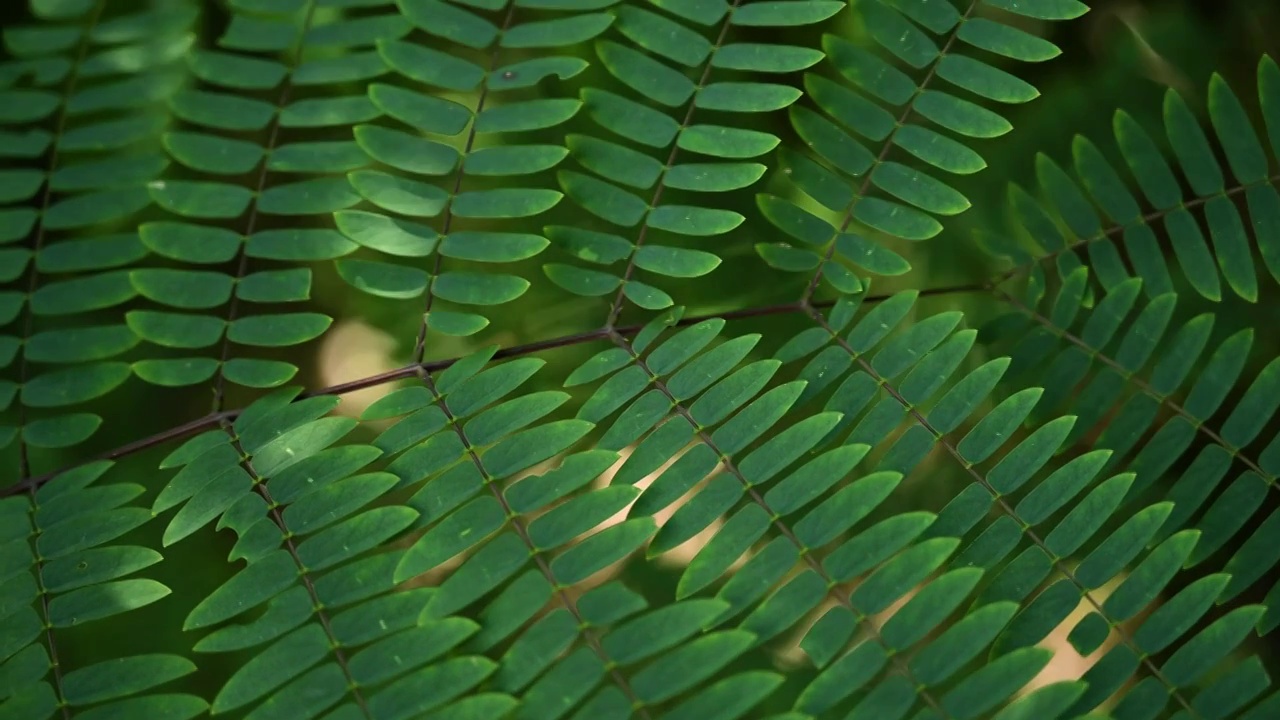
(213, 419)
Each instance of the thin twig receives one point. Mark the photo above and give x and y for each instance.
(213, 419)
(420, 344)
(776, 520)
(522, 531)
(885, 147)
(242, 257)
(615, 308)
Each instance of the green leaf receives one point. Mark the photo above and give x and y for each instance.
(187, 289)
(278, 330)
(430, 66)
(122, 676)
(1006, 40)
(746, 97)
(399, 195)
(688, 220)
(74, 385)
(213, 154)
(528, 447)
(602, 199)
(994, 683)
(383, 279)
(556, 33)
(1050, 701)
(644, 74)
(629, 118)
(92, 566)
(404, 151)
(247, 589)
(962, 641)
(1048, 10)
(689, 665)
(580, 281)
(660, 630)
(470, 524)
(785, 257)
(175, 706)
(355, 535)
(201, 200)
(602, 550)
(504, 203)
(1200, 654)
(985, 80)
(105, 600)
(1178, 614)
(998, 425)
(782, 14)
(961, 116)
(918, 189)
(494, 247)
(526, 115)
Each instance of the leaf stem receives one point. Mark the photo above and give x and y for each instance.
(885, 147)
(213, 419)
(1003, 503)
(260, 184)
(260, 487)
(420, 344)
(522, 531)
(615, 308)
(28, 322)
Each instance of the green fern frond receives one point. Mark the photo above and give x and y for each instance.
(689, 92)
(245, 88)
(80, 129)
(1167, 394)
(855, 222)
(1151, 413)
(62, 570)
(497, 61)
(838, 505)
(1049, 549)
(297, 505)
(1069, 225)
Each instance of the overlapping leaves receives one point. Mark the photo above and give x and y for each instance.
(454, 552)
(1095, 219)
(63, 566)
(83, 95)
(682, 60)
(471, 168)
(858, 199)
(278, 70)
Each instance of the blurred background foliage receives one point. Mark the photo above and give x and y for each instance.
(1123, 54)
